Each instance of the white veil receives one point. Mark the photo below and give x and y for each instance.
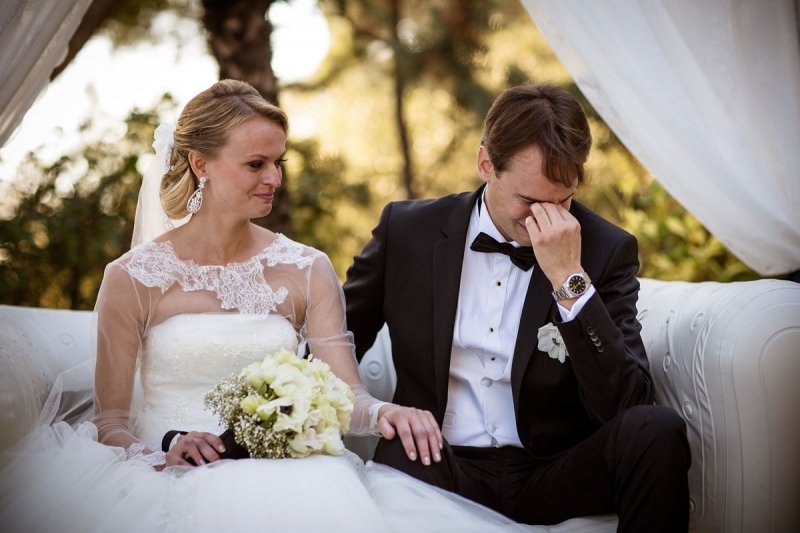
(151, 219)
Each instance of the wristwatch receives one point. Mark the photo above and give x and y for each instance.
(576, 285)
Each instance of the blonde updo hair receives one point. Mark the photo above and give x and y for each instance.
(204, 127)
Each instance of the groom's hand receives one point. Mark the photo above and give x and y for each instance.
(201, 447)
(418, 431)
(556, 239)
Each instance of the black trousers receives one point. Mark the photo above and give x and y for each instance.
(636, 465)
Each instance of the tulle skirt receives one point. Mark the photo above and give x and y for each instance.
(60, 479)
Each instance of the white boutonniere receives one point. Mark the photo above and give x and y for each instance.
(550, 341)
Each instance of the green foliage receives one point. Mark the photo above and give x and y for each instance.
(321, 202)
(673, 245)
(66, 220)
(71, 218)
(132, 20)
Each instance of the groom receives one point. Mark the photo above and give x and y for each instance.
(538, 426)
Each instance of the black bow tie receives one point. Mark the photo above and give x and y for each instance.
(522, 257)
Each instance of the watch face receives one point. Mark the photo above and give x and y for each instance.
(577, 284)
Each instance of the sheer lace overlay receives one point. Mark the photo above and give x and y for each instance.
(238, 285)
(177, 328)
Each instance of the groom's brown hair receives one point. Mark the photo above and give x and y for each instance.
(546, 116)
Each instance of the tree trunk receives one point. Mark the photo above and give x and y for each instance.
(239, 37)
(399, 92)
(97, 13)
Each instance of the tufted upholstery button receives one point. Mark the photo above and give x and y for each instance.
(66, 339)
(374, 369)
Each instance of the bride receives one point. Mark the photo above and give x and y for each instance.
(187, 307)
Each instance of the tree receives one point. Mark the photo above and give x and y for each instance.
(65, 229)
(425, 72)
(238, 35)
(436, 43)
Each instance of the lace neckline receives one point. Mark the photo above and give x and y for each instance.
(238, 285)
(168, 247)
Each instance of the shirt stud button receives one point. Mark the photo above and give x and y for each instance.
(491, 330)
(493, 358)
(498, 283)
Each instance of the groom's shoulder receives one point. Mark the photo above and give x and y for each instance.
(596, 230)
(423, 212)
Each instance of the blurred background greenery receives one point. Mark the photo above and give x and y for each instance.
(398, 106)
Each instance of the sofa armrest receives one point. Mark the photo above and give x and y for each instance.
(727, 357)
(36, 345)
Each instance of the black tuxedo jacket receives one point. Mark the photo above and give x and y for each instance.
(408, 276)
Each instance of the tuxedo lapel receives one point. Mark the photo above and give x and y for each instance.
(448, 257)
(538, 305)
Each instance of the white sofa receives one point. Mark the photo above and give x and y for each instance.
(725, 356)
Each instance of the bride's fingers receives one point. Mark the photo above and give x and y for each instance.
(190, 451)
(386, 428)
(421, 436)
(403, 429)
(208, 452)
(176, 457)
(434, 436)
(215, 442)
(418, 431)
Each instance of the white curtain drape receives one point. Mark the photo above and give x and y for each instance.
(706, 94)
(34, 35)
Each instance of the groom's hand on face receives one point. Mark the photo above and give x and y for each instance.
(201, 447)
(556, 239)
(418, 431)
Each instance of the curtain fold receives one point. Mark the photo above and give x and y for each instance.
(34, 35)
(707, 96)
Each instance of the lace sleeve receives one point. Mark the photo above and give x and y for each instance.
(325, 331)
(120, 316)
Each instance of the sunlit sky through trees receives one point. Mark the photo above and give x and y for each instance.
(105, 84)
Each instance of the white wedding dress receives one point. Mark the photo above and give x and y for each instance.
(193, 326)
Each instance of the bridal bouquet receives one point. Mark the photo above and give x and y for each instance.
(284, 406)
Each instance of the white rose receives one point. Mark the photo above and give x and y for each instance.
(295, 417)
(305, 442)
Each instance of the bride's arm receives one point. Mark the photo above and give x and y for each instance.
(120, 319)
(325, 330)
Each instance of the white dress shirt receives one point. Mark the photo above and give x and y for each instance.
(480, 407)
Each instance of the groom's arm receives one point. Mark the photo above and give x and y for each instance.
(603, 339)
(364, 288)
(604, 342)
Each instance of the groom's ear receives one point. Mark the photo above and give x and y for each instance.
(198, 164)
(485, 167)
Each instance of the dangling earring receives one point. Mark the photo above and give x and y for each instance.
(196, 199)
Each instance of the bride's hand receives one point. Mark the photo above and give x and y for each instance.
(200, 446)
(417, 429)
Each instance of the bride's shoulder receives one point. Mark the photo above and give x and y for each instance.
(283, 250)
(151, 249)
